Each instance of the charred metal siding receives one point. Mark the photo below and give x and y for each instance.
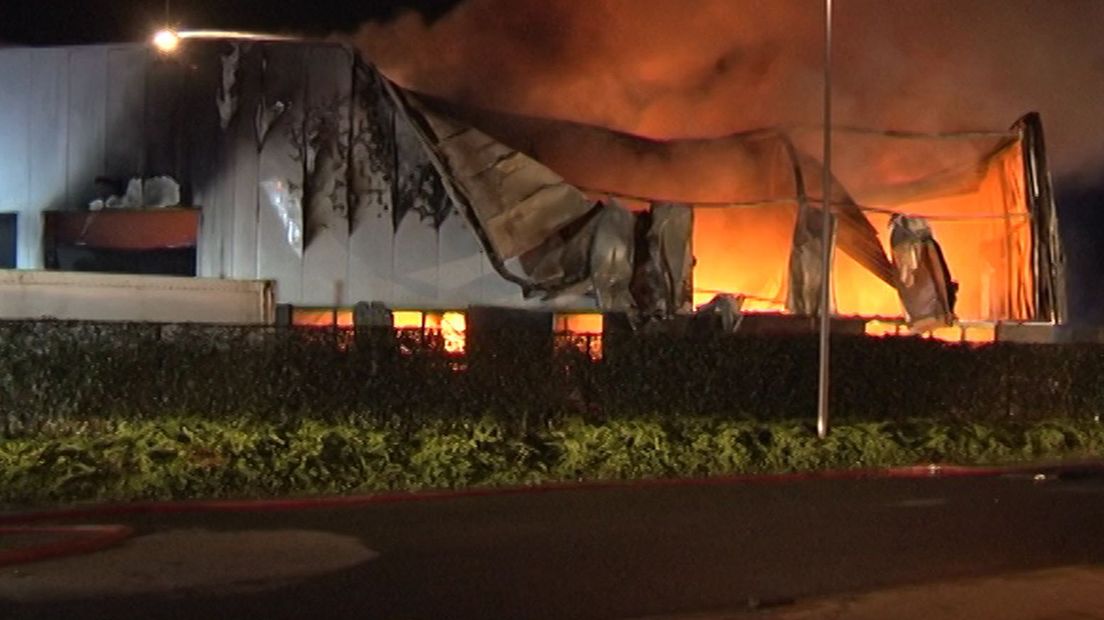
(377, 225)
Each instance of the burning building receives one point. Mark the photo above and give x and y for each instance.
(300, 164)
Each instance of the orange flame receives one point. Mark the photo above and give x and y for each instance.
(985, 238)
(452, 326)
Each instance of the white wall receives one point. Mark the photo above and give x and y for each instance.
(68, 115)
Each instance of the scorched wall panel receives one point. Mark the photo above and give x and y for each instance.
(283, 105)
(371, 179)
(377, 224)
(329, 97)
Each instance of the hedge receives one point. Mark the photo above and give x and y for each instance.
(194, 457)
(52, 372)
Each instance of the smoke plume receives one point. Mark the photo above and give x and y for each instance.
(670, 69)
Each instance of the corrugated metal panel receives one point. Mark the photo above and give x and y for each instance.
(415, 260)
(284, 83)
(496, 290)
(242, 164)
(325, 255)
(419, 206)
(88, 84)
(168, 82)
(15, 85)
(461, 264)
(216, 201)
(125, 111)
(119, 111)
(370, 250)
(49, 124)
(518, 201)
(212, 185)
(373, 234)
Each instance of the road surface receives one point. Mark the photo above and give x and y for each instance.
(592, 553)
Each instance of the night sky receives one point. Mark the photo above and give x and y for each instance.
(56, 22)
(61, 22)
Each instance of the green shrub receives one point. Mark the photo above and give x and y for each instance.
(53, 372)
(250, 456)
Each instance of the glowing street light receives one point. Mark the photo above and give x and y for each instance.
(166, 41)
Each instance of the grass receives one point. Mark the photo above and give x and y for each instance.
(246, 456)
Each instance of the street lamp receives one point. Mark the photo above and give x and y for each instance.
(166, 40)
(827, 236)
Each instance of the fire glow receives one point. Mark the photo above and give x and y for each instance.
(984, 234)
(451, 326)
(683, 81)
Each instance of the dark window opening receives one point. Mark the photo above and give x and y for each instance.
(178, 262)
(7, 240)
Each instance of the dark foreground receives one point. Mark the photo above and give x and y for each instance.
(620, 553)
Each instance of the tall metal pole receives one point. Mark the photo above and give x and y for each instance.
(827, 236)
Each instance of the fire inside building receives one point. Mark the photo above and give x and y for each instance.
(300, 165)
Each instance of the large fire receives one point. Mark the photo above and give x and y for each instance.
(984, 233)
(651, 68)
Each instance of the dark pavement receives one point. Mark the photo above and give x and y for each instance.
(624, 553)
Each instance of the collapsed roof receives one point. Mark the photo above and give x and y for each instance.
(987, 194)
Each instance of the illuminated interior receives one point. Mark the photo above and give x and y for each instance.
(580, 330)
(579, 324)
(982, 226)
(452, 326)
(322, 317)
(970, 333)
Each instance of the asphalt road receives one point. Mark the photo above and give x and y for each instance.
(620, 553)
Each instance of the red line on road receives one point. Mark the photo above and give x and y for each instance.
(76, 540)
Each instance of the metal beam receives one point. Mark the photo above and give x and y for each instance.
(827, 237)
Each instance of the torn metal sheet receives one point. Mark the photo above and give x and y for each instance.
(1048, 260)
(723, 314)
(639, 263)
(519, 203)
(852, 233)
(593, 254)
(663, 285)
(805, 272)
(611, 257)
(923, 278)
(560, 265)
(521, 207)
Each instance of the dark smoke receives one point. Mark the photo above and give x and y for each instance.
(704, 68)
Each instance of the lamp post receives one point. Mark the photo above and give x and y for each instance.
(827, 236)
